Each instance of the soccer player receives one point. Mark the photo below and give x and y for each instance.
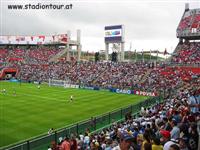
(4, 91)
(71, 98)
(14, 92)
(50, 131)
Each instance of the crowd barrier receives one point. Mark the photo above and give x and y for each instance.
(90, 87)
(122, 91)
(136, 92)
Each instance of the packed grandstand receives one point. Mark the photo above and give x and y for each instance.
(170, 125)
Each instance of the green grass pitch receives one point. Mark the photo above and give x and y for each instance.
(34, 111)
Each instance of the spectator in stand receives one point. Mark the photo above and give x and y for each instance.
(168, 145)
(65, 144)
(165, 136)
(194, 102)
(175, 132)
(125, 141)
(177, 116)
(183, 144)
(73, 144)
(147, 146)
(167, 125)
(156, 144)
(174, 147)
(139, 141)
(86, 140)
(108, 144)
(146, 141)
(193, 136)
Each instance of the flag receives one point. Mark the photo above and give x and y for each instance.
(135, 55)
(157, 55)
(165, 52)
(150, 54)
(130, 46)
(142, 55)
(142, 52)
(53, 38)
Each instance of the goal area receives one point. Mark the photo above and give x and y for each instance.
(62, 83)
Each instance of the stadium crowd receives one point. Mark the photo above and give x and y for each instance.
(189, 53)
(107, 75)
(189, 22)
(33, 65)
(185, 23)
(171, 125)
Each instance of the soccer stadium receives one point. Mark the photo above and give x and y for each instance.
(56, 95)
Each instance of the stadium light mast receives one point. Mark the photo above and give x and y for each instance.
(187, 8)
(150, 55)
(135, 55)
(71, 43)
(67, 45)
(78, 44)
(142, 55)
(130, 51)
(157, 56)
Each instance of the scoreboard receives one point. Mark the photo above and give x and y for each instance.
(114, 34)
